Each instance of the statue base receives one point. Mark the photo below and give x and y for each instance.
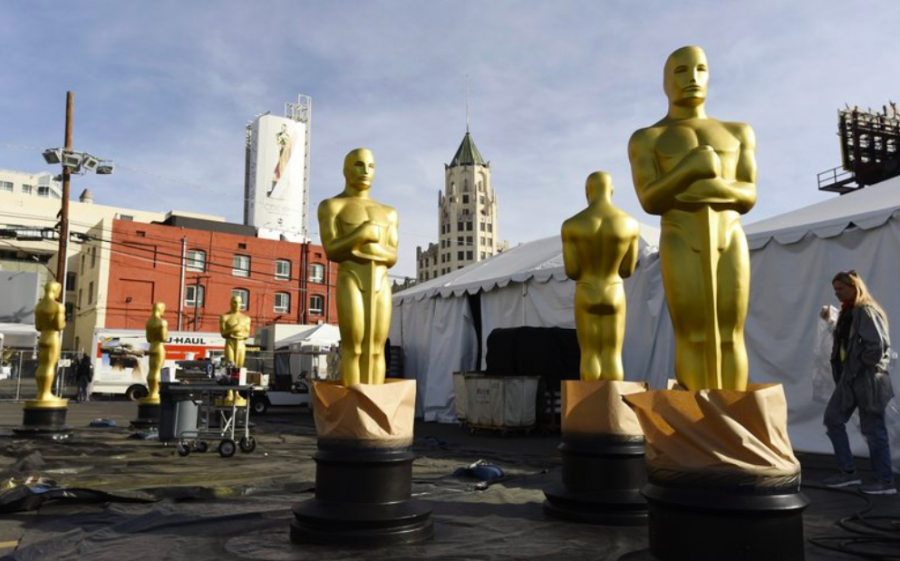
(148, 416)
(601, 481)
(363, 468)
(362, 499)
(44, 422)
(711, 524)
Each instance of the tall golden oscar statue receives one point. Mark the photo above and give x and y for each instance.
(722, 476)
(699, 174)
(46, 415)
(365, 423)
(235, 329)
(602, 445)
(157, 333)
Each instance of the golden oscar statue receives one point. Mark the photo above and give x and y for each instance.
(157, 330)
(364, 423)
(361, 236)
(602, 444)
(600, 248)
(46, 415)
(715, 437)
(50, 320)
(699, 174)
(235, 328)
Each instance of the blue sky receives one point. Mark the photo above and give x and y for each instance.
(165, 89)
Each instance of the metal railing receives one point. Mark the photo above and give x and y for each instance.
(17, 375)
(837, 180)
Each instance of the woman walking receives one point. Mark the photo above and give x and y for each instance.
(859, 361)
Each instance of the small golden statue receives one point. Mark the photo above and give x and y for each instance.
(157, 334)
(50, 320)
(699, 174)
(235, 328)
(600, 248)
(361, 236)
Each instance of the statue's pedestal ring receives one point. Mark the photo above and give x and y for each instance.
(44, 420)
(148, 415)
(363, 469)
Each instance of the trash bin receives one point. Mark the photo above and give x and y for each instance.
(178, 412)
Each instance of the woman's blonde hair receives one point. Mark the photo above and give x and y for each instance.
(863, 296)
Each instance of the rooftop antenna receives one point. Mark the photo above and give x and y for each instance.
(467, 104)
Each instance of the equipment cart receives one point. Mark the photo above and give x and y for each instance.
(229, 424)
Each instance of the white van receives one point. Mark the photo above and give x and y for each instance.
(121, 363)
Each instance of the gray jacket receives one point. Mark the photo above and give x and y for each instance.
(862, 377)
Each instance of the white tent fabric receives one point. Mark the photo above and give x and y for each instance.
(793, 258)
(324, 334)
(22, 335)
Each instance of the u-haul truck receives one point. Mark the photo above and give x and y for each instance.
(121, 362)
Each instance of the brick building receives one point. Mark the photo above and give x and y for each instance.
(129, 265)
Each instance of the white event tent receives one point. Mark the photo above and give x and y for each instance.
(793, 259)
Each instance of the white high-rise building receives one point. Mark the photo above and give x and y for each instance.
(467, 216)
(276, 184)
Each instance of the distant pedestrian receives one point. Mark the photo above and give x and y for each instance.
(84, 375)
(859, 359)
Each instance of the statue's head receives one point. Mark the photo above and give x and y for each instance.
(686, 77)
(236, 303)
(359, 168)
(159, 309)
(598, 185)
(52, 289)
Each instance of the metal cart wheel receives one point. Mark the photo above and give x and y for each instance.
(182, 448)
(247, 444)
(227, 448)
(201, 446)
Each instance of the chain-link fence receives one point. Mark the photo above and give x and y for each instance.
(17, 375)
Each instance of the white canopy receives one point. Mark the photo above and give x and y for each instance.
(793, 259)
(323, 335)
(22, 335)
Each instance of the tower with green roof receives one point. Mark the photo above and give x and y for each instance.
(467, 216)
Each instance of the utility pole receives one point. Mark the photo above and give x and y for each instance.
(61, 259)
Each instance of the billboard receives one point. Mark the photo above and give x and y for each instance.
(276, 178)
(19, 294)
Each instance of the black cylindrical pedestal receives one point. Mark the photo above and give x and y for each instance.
(716, 523)
(44, 422)
(601, 480)
(362, 498)
(148, 416)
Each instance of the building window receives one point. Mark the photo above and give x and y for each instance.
(93, 257)
(196, 260)
(240, 266)
(459, 241)
(469, 226)
(242, 246)
(282, 302)
(91, 293)
(28, 189)
(244, 294)
(481, 199)
(460, 255)
(194, 296)
(490, 227)
(316, 305)
(82, 261)
(43, 191)
(459, 226)
(71, 279)
(468, 240)
(79, 297)
(466, 185)
(126, 217)
(466, 199)
(282, 269)
(482, 226)
(70, 311)
(469, 255)
(6, 186)
(317, 272)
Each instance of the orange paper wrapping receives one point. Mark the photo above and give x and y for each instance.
(595, 407)
(717, 431)
(381, 415)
